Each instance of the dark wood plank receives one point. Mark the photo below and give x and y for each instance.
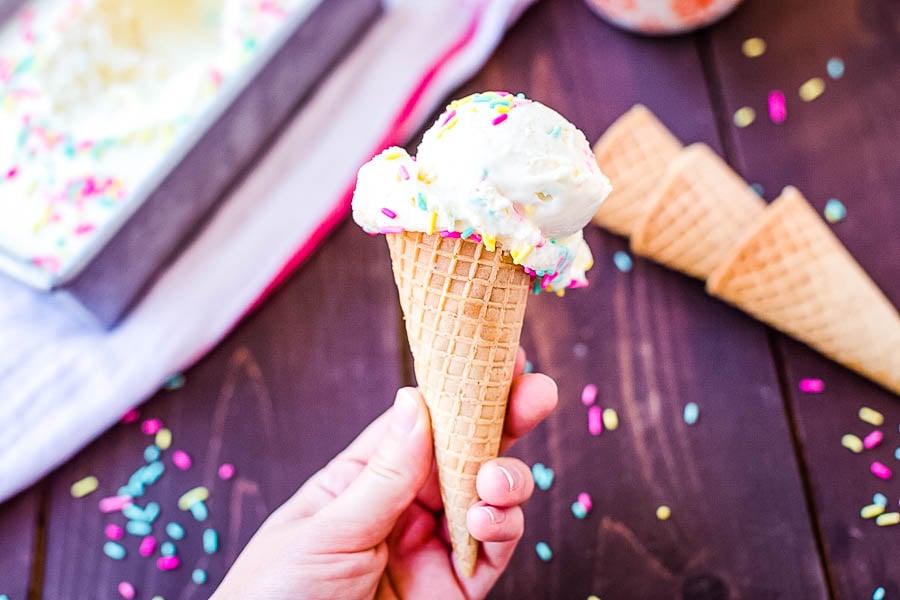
(278, 398)
(651, 340)
(844, 145)
(18, 542)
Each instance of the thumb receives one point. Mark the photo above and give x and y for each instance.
(366, 512)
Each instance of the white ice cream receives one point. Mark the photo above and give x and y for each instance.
(501, 169)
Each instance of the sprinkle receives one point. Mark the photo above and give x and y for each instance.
(151, 453)
(610, 419)
(420, 198)
(167, 549)
(467, 233)
(663, 512)
(131, 416)
(226, 471)
(622, 261)
(758, 189)
(199, 511)
(113, 531)
(873, 439)
(835, 210)
(404, 174)
(392, 154)
(167, 563)
(113, 503)
(12, 173)
(136, 513)
(210, 541)
(897, 452)
(595, 420)
(753, 47)
(114, 551)
(198, 494)
(182, 460)
(432, 224)
(852, 443)
(744, 116)
(871, 511)
(449, 234)
(879, 498)
(871, 416)
(593, 597)
(543, 476)
(126, 590)
(543, 551)
(151, 426)
(777, 106)
(880, 470)
(554, 133)
(579, 510)
(812, 386)
(391, 230)
(589, 394)
(878, 594)
(812, 89)
(163, 439)
(835, 68)
(449, 116)
(888, 519)
(138, 528)
(691, 413)
(529, 367)
(499, 119)
(83, 487)
(198, 576)
(175, 531)
(174, 382)
(388, 213)
(157, 598)
(585, 500)
(147, 546)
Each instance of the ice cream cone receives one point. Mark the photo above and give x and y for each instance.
(790, 271)
(634, 153)
(463, 307)
(695, 213)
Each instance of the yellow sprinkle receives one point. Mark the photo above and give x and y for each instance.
(610, 419)
(393, 154)
(812, 89)
(888, 519)
(83, 487)
(489, 242)
(424, 178)
(871, 511)
(191, 497)
(560, 292)
(663, 513)
(518, 257)
(502, 109)
(590, 263)
(163, 439)
(593, 597)
(871, 416)
(744, 116)
(753, 47)
(432, 224)
(852, 443)
(452, 123)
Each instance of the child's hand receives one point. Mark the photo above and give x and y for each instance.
(370, 524)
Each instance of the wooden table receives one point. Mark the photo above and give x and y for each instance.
(765, 501)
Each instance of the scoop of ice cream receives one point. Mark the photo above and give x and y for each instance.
(496, 168)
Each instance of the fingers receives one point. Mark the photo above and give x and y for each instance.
(495, 523)
(521, 360)
(531, 398)
(505, 481)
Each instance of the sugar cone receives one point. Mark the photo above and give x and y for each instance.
(633, 153)
(463, 307)
(695, 213)
(790, 271)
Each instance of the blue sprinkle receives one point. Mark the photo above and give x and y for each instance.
(529, 368)
(691, 413)
(758, 189)
(623, 261)
(467, 232)
(879, 593)
(152, 472)
(174, 382)
(879, 499)
(210, 541)
(175, 531)
(133, 512)
(835, 210)
(133, 490)
(4, 597)
(167, 549)
(151, 453)
(138, 528)
(579, 510)
(199, 576)
(554, 133)
(114, 551)
(199, 510)
(543, 551)
(897, 453)
(835, 68)
(520, 96)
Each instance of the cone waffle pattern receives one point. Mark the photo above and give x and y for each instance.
(793, 273)
(463, 308)
(695, 213)
(634, 153)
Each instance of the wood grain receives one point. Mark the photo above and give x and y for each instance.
(18, 542)
(843, 145)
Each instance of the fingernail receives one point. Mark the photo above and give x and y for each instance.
(495, 516)
(490, 514)
(406, 410)
(509, 477)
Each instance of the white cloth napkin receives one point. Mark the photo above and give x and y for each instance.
(64, 380)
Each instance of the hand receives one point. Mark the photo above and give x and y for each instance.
(370, 524)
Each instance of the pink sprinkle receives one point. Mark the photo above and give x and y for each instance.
(449, 116)
(83, 228)
(167, 563)
(777, 106)
(881, 470)
(226, 471)
(585, 500)
(151, 426)
(873, 439)
(450, 234)
(148, 545)
(113, 531)
(499, 119)
(113, 503)
(126, 590)
(812, 386)
(404, 174)
(131, 416)
(388, 213)
(182, 460)
(391, 230)
(589, 394)
(595, 420)
(12, 172)
(475, 238)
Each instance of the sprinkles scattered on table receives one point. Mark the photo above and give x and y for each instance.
(744, 116)
(543, 476)
(812, 89)
(835, 68)
(622, 261)
(835, 211)
(777, 106)
(812, 386)
(753, 47)
(691, 413)
(543, 551)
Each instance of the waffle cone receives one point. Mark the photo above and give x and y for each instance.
(790, 271)
(463, 307)
(633, 153)
(695, 213)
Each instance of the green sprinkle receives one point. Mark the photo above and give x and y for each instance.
(199, 576)
(543, 551)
